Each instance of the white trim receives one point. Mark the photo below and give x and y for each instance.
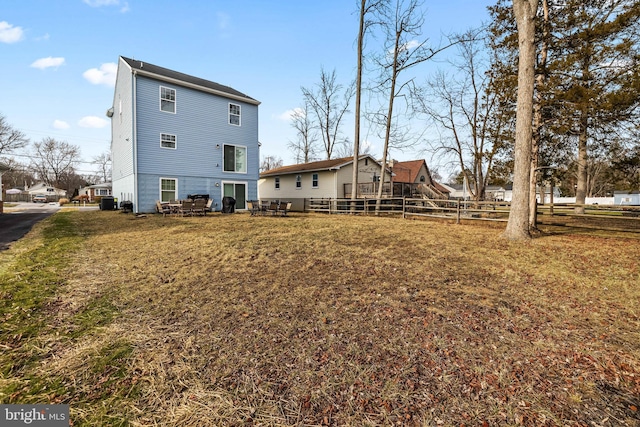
(246, 191)
(175, 99)
(246, 160)
(175, 141)
(239, 114)
(160, 187)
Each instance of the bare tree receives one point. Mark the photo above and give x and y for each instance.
(304, 147)
(518, 225)
(403, 24)
(270, 162)
(53, 161)
(460, 103)
(10, 138)
(104, 163)
(365, 8)
(329, 104)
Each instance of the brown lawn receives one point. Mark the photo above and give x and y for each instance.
(339, 320)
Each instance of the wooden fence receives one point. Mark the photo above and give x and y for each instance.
(615, 218)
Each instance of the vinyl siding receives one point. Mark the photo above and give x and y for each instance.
(200, 124)
(149, 189)
(122, 124)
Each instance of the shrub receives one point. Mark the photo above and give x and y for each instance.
(63, 201)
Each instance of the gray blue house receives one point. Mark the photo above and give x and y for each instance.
(173, 135)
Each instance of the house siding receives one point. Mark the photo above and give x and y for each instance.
(201, 126)
(122, 135)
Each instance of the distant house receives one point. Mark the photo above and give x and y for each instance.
(96, 190)
(175, 135)
(413, 179)
(626, 198)
(42, 189)
(322, 179)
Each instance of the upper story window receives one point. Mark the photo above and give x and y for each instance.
(277, 182)
(235, 158)
(298, 181)
(167, 99)
(314, 180)
(234, 114)
(167, 141)
(422, 178)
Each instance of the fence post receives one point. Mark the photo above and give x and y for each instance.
(403, 207)
(458, 211)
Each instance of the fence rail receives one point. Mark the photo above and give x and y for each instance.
(615, 218)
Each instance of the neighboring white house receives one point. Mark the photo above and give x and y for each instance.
(3, 168)
(43, 189)
(96, 190)
(323, 179)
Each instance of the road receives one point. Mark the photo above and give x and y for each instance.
(16, 221)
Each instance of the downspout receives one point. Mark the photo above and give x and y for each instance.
(134, 137)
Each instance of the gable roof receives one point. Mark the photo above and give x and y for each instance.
(408, 171)
(322, 165)
(175, 77)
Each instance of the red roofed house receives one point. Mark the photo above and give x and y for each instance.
(413, 179)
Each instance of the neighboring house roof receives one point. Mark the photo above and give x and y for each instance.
(322, 165)
(441, 188)
(407, 172)
(161, 73)
(103, 185)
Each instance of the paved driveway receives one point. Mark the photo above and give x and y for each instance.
(16, 221)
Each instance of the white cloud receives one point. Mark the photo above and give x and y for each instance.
(9, 33)
(92, 122)
(288, 115)
(49, 62)
(124, 6)
(105, 75)
(59, 124)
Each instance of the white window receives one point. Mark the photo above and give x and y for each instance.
(167, 99)
(314, 180)
(168, 189)
(167, 141)
(277, 182)
(298, 181)
(234, 114)
(235, 158)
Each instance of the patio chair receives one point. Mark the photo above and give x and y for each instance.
(253, 206)
(264, 207)
(207, 207)
(199, 207)
(273, 208)
(163, 208)
(186, 208)
(284, 207)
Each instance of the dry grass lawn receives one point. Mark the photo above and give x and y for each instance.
(331, 320)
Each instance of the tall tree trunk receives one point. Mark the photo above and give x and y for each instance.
(387, 136)
(518, 225)
(538, 121)
(356, 136)
(581, 189)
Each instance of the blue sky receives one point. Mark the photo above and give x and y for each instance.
(59, 57)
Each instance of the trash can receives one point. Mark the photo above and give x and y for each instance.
(228, 204)
(106, 203)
